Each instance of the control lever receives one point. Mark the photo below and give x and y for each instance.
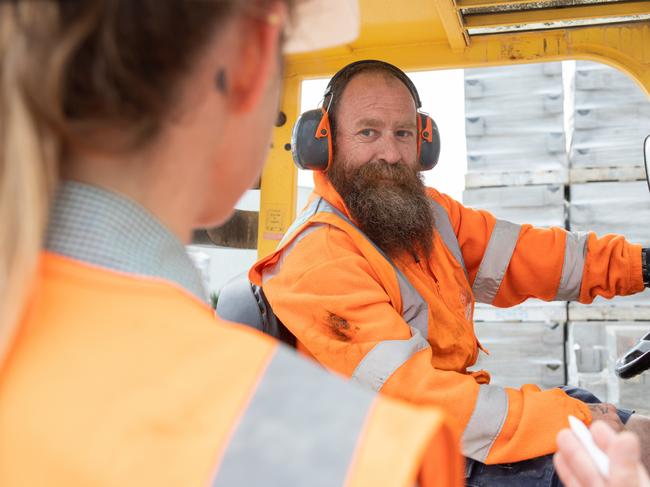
(635, 361)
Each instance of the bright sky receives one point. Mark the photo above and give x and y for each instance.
(443, 97)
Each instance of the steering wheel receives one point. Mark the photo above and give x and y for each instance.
(635, 361)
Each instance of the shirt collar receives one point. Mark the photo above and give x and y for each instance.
(105, 229)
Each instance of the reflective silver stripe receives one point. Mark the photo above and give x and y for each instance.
(575, 251)
(271, 271)
(446, 231)
(301, 427)
(486, 422)
(306, 214)
(415, 310)
(495, 261)
(385, 358)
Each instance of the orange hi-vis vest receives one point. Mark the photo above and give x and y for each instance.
(122, 380)
(403, 326)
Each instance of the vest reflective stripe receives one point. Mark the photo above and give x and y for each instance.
(385, 358)
(495, 261)
(286, 438)
(415, 310)
(446, 231)
(486, 422)
(301, 219)
(575, 251)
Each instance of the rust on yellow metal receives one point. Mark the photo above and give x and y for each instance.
(466, 4)
(623, 46)
(279, 178)
(413, 35)
(491, 3)
(537, 16)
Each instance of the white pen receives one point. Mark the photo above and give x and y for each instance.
(596, 454)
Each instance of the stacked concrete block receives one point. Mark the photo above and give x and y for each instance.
(514, 125)
(526, 342)
(593, 348)
(517, 170)
(632, 393)
(611, 117)
(621, 207)
(523, 353)
(520, 170)
(587, 357)
(541, 205)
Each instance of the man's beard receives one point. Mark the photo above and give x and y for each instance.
(389, 203)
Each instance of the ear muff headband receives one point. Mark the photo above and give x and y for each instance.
(311, 139)
(398, 73)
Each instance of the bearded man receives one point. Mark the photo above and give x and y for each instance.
(377, 281)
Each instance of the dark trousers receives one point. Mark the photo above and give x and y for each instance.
(536, 472)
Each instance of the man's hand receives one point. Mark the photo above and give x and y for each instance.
(607, 413)
(576, 468)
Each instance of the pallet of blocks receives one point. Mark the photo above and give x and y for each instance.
(610, 118)
(517, 170)
(514, 126)
(612, 207)
(608, 194)
(527, 352)
(592, 350)
(542, 205)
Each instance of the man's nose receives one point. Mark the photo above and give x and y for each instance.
(389, 150)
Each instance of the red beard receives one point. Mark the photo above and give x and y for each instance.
(389, 204)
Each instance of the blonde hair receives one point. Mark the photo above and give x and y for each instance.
(29, 158)
(68, 69)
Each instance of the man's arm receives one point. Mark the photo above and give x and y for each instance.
(545, 263)
(337, 305)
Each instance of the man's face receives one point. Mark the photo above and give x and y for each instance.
(376, 121)
(375, 167)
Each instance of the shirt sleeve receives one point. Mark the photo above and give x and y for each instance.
(333, 301)
(508, 263)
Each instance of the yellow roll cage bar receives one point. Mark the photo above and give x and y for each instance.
(442, 34)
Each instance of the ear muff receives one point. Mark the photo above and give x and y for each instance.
(428, 142)
(311, 141)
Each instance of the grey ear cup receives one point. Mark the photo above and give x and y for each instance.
(309, 151)
(429, 143)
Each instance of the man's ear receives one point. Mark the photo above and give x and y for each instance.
(258, 58)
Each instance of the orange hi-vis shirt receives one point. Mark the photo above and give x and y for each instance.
(345, 303)
(121, 378)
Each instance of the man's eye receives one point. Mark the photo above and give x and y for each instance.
(404, 133)
(368, 132)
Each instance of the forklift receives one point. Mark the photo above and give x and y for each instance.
(419, 35)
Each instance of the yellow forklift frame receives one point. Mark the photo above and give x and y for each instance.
(443, 34)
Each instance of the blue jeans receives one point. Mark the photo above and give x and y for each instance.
(536, 472)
